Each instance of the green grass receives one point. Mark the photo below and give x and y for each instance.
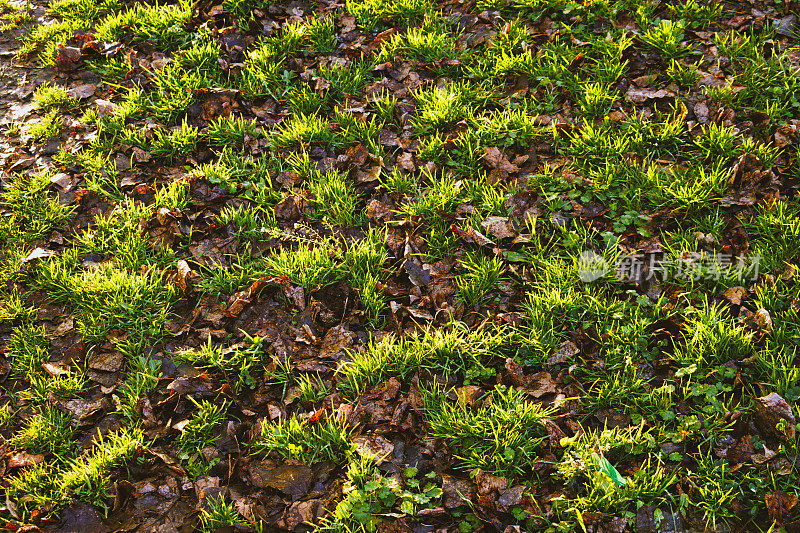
(108, 298)
(374, 14)
(48, 96)
(327, 440)
(46, 128)
(48, 431)
(501, 439)
(450, 351)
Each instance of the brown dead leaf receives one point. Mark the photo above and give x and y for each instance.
(111, 361)
(82, 409)
(472, 236)
(488, 483)
(68, 58)
(336, 342)
(770, 411)
(499, 227)
(496, 159)
(82, 91)
(368, 174)
(185, 276)
(303, 512)
(762, 321)
(287, 209)
(55, 370)
(742, 451)
(735, 294)
(292, 480)
(541, 383)
(779, 504)
(374, 446)
(457, 492)
(418, 275)
(640, 95)
(357, 155)
(515, 373)
(745, 172)
(565, 351)
(377, 210)
(785, 135)
(469, 394)
(20, 459)
(406, 162)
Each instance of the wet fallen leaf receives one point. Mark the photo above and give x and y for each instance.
(779, 504)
